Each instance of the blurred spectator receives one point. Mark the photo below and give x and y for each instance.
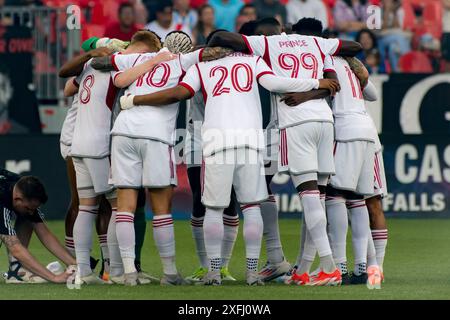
(140, 11)
(196, 4)
(297, 9)
(393, 41)
(269, 9)
(184, 15)
(164, 22)
(446, 34)
(246, 14)
(126, 27)
(369, 55)
(350, 16)
(226, 12)
(205, 24)
(151, 6)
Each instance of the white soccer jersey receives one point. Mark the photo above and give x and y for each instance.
(233, 116)
(69, 123)
(96, 96)
(150, 122)
(301, 57)
(352, 122)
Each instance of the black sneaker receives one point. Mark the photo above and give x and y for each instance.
(12, 275)
(346, 280)
(361, 279)
(93, 262)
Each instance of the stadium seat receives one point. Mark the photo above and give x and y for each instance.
(91, 30)
(415, 62)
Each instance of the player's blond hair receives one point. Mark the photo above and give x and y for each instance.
(149, 38)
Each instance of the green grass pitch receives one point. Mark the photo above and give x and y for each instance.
(416, 267)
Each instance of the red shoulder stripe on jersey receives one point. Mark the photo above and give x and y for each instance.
(329, 70)
(321, 53)
(113, 62)
(75, 83)
(200, 54)
(111, 94)
(249, 48)
(191, 91)
(338, 48)
(266, 55)
(205, 96)
(264, 73)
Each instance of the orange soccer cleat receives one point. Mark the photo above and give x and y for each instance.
(374, 277)
(326, 279)
(300, 280)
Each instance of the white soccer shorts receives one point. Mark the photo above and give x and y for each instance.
(92, 176)
(307, 148)
(140, 163)
(241, 168)
(380, 184)
(354, 161)
(65, 150)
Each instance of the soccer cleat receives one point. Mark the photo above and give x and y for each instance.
(116, 280)
(345, 279)
(198, 275)
(272, 271)
(142, 274)
(374, 277)
(212, 279)
(172, 280)
(132, 279)
(253, 279)
(287, 276)
(89, 279)
(326, 279)
(226, 275)
(16, 274)
(358, 279)
(104, 272)
(314, 273)
(300, 280)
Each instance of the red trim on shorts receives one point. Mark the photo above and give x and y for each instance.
(202, 176)
(284, 148)
(172, 173)
(248, 206)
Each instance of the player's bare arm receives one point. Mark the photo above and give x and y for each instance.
(49, 240)
(28, 261)
(127, 77)
(349, 48)
(282, 85)
(75, 66)
(228, 40)
(359, 70)
(70, 88)
(160, 98)
(293, 99)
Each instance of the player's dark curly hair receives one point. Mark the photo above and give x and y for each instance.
(32, 189)
(209, 37)
(248, 28)
(308, 26)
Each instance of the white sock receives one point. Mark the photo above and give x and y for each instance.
(360, 231)
(380, 238)
(230, 232)
(213, 233)
(115, 260)
(70, 245)
(316, 221)
(164, 236)
(82, 237)
(253, 232)
(337, 227)
(271, 233)
(197, 235)
(126, 238)
(371, 252)
(307, 247)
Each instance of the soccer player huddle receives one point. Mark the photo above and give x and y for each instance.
(120, 135)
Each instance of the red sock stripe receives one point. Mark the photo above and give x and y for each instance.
(88, 211)
(234, 222)
(309, 193)
(355, 206)
(157, 224)
(197, 225)
(333, 198)
(248, 206)
(124, 218)
(283, 148)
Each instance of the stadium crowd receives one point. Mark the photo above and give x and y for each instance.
(414, 35)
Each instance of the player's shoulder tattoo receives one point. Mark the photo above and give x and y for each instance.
(214, 53)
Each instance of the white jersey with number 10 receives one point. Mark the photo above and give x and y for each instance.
(301, 57)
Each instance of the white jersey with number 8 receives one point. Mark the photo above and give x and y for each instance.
(301, 57)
